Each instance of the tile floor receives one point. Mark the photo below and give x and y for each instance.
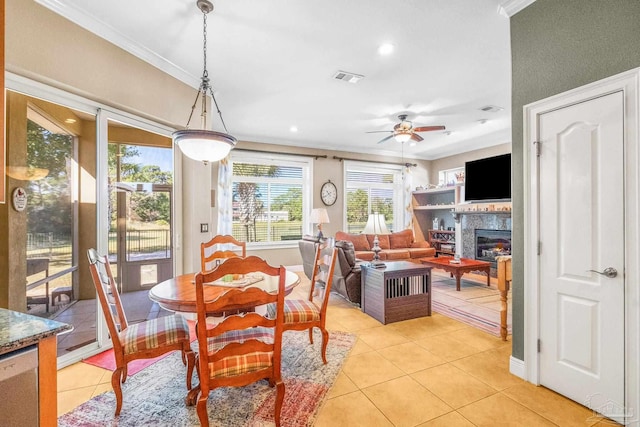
(431, 371)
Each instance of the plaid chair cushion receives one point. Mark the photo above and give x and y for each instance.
(154, 333)
(296, 311)
(242, 364)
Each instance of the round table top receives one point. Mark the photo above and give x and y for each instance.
(179, 293)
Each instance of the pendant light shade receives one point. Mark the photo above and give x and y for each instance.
(203, 144)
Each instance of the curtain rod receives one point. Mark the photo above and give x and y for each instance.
(315, 156)
(409, 165)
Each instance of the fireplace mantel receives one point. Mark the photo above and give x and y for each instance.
(458, 214)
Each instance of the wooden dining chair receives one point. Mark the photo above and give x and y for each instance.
(144, 340)
(211, 254)
(302, 314)
(243, 348)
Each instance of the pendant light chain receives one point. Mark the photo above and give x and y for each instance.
(204, 84)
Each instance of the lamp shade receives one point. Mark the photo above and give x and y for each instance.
(204, 145)
(375, 225)
(319, 216)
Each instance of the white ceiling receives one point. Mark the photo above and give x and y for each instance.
(271, 64)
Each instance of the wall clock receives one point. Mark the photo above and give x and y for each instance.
(328, 193)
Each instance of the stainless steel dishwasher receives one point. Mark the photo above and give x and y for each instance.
(19, 388)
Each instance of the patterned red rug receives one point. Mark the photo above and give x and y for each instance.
(476, 304)
(107, 360)
(155, 395)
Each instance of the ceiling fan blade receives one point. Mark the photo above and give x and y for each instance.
(384, 139)
(379, 131)
(416, 137)
(428, 128)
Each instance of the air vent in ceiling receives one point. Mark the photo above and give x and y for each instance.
(491, 109)
(348, 77)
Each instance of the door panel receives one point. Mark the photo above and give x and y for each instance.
(582, 229)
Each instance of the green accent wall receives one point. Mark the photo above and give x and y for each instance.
(558, 45)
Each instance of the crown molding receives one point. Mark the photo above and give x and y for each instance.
(511, 7)
(106, 32)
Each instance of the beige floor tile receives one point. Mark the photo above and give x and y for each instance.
(405, 402)
(452, 419)
(454, 386)
(342, 385)
(359, 348)
(353, 409)
(551, 405)
(499, 410)
(102, 388)
(71, 399)
(447, 348)
(488, 369)
(80, 375)
(477, 338)
(355, 322)
(380, 337)
(371, 368)
(410, 357)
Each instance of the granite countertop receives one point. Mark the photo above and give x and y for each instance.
(19, 330)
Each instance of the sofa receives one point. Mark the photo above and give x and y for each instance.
(400, 245)
(347, 274)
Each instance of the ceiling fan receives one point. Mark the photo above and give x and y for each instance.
(404, 131)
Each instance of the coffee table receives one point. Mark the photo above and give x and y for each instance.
(466, 265)
(399, 291)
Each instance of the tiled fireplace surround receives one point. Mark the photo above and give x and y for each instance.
(469, 222)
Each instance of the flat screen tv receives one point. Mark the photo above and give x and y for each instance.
(488, 179)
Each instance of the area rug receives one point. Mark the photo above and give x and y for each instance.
(476, 304)
(107, 360)
(155, 395)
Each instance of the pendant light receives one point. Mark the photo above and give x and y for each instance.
(203, 144)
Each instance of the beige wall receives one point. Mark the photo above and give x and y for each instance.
(48, 48)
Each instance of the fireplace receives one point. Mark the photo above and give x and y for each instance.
(492, 243)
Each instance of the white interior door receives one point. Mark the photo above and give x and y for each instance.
(581, 228)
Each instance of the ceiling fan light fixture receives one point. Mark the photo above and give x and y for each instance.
(402, 137)
(202, 144)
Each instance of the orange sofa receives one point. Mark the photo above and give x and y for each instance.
(396, 246)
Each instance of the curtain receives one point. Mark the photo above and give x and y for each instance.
(225, 225)
(407, 183)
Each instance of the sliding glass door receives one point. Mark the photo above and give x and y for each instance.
(86, 178)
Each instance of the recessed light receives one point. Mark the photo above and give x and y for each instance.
(385, 49)
(293, 129)
(70, 121)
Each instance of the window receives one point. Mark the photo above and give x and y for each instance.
(373, 188)
(450, 176)
(270, 197)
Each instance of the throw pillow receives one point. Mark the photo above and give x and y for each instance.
(401, 239)
(359, 241)
(383, 240)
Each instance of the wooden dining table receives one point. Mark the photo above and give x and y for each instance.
(179, 293)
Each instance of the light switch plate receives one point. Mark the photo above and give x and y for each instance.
(204, 228)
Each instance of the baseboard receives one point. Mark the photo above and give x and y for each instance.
(517, 367)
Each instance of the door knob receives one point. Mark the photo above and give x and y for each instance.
(609, 272)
